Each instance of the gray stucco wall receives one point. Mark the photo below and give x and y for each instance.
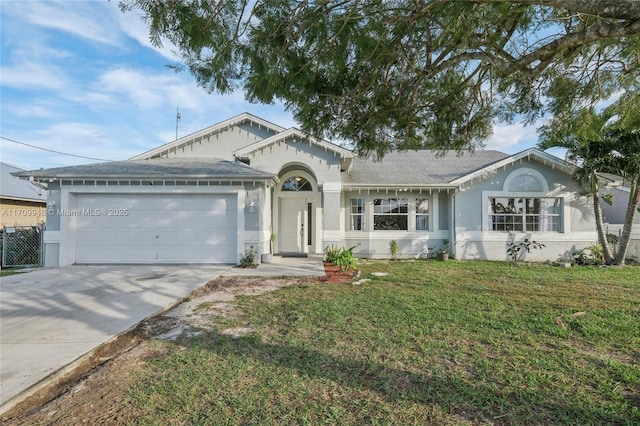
(412, 243)
(471, 212)
(252, 213)
(223, 144)
(53, 202)
(470, 198)
(60, 237)
(615, 214)
(52, 246)
(323, 163)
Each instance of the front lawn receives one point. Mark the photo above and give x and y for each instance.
(431, 343)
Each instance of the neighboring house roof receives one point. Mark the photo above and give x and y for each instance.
(156, 168)
(418, 168)
(14, 188)
(614, 181)
(209, 131)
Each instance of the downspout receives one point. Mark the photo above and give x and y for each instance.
(452, 232)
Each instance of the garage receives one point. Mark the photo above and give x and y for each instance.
(155, 228)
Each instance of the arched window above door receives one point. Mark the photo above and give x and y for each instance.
(296, 183)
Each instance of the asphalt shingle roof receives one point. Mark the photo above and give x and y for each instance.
(156, 168)
(418, 167)
(16, 188)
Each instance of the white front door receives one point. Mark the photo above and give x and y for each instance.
(292, 225)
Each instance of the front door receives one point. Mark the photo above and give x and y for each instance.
(292, 226)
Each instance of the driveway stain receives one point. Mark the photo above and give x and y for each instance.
(152, 277)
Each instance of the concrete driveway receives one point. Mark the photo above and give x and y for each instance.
(51, 317)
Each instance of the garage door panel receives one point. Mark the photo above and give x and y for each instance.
(157, 228)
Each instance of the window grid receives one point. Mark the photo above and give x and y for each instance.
(422, 214)
(537, 215)
(356, 214)
(390, 214)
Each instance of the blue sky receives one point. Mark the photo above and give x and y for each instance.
(81, 77)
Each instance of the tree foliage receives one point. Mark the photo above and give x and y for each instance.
(405, 73)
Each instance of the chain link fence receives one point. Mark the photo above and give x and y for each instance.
(22, 246)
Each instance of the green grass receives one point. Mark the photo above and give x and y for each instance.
(7, 272)
(431, 343)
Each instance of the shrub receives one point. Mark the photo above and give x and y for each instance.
(393, 246)
(516, 250)
(331, 253)
(592, 255)
(341, 257)
(248, 259)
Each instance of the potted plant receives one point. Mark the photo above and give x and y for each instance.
(443, 253)
(267, 257)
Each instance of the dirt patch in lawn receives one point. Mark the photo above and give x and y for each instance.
(95, 392)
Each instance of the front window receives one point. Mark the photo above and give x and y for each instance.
(525, 214)
(390, 214)
(356, 214)
(422, 214)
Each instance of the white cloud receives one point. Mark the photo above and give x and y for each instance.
(74, 18)
(139, 87)
(149, 90)
(164, 91)
(33, 75)
(35, 110)
(65, 98)
(85, 139)
(512, 137)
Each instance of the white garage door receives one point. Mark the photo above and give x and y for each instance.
(156, 228)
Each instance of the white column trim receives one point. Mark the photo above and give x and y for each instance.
(332, 187)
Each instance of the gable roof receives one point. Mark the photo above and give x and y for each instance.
(155, 168)
(206, 132)
(11, 187)
(292, 134)
(531, 153)
(418, 168)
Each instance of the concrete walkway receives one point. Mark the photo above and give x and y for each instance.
(311, 266)
(50, 318)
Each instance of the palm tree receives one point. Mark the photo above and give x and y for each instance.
(596, 142)
(625, 160)
(580, 136)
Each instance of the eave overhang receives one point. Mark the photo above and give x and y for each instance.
(541, 156)
(183, 142)
(296, 136)
(167, 170)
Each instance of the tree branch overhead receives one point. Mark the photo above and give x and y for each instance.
(376, 72)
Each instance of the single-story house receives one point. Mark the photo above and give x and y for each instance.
(22, 203)
(210, 196)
